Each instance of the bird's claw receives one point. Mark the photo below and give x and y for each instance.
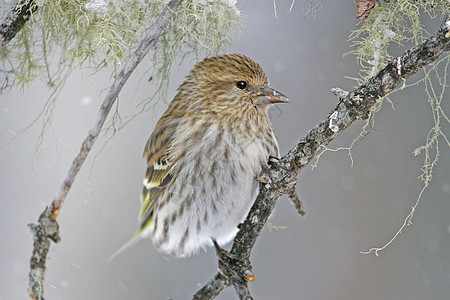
(273, 160)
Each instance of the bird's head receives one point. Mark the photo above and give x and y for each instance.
(229, 84)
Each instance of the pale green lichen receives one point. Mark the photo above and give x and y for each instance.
(270, 226)
(65, 35)
(37, 276)
(89, 33)
(399, 23)
(393, 23)
(386, 25)
(435, 94)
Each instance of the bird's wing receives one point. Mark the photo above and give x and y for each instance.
(157, 176)
(158, 168)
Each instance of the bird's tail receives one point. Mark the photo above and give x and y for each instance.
(130, 243)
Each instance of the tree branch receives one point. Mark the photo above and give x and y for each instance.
(47, 227)
(14, 15)
(281, 178)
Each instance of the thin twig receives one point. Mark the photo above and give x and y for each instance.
(293, 195)
(47, 228)
(280, 178)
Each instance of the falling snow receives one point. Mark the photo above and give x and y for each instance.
(86, 101)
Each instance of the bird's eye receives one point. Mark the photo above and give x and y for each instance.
(241, 85)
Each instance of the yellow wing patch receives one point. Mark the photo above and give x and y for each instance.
(156, 153)
(155, 180)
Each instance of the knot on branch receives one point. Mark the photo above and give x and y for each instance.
(340, 93)
(46, 228)
(278, 177)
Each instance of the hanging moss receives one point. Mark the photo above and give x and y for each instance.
(392, 23)
(64, 34)
(399, 22)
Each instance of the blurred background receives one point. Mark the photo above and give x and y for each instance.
(348, 209)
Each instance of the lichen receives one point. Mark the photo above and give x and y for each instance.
(399, 22)
(93, 33)
(66, 35)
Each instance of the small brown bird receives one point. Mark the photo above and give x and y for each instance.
(204, 154)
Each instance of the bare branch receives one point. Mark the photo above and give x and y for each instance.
(213, 288)
(47, 228)
(280, 178)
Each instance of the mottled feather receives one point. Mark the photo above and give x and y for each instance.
(204, 154)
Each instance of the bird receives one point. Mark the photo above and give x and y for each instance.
(204, 155)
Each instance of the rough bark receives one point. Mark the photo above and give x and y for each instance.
(363, 8)
(14, 15)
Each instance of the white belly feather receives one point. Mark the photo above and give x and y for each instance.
(218, 197)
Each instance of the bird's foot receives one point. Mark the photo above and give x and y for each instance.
(273, 161)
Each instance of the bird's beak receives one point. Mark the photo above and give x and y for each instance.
(269, 96)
